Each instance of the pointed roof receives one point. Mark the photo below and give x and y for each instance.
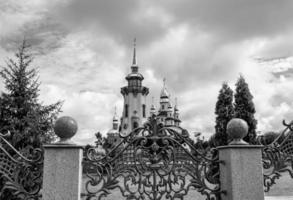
(164, 92)
(134, 74)
(176, 107)
(153, 106)
(115, 117)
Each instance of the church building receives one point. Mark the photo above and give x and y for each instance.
(135, 113)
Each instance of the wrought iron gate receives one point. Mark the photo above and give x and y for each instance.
(20, 172)
(153, 162)
(278, 157)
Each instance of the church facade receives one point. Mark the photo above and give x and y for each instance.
(135, 112)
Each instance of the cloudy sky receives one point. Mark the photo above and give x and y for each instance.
(83, 50)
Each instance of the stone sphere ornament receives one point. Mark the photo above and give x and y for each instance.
(65, 128)
(237, 129)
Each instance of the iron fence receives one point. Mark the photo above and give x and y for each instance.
(153, 162)
(277, 157)
(20, 172)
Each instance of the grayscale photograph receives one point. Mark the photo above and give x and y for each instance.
(146, 100)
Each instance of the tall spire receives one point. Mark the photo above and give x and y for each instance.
(164, 92)
(115, 118)
(153, 108)
(134, 61)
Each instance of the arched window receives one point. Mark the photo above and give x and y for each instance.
(135, 125)
(126, 110)
(143, 110)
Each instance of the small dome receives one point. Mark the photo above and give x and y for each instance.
(176, 109)
(164, 93)
(115, 118)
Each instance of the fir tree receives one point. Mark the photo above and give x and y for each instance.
(28, 121)
(244, 108)
(224, 113)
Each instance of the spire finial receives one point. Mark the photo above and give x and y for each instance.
(115, 118)
(134, 61)
(164, 80)
(176, 101)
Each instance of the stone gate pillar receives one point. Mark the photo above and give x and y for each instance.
(62, 164)
(241, 174)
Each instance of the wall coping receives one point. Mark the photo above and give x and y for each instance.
(64, 146)
(240, 147)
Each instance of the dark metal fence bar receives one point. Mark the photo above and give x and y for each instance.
(278, 157)
(20, 171)
(152, 162)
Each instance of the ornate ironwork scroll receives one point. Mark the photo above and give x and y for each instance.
(20, 172)
(278, 157)
(152, 162)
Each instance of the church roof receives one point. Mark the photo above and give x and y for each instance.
(134, 67)
(164, 91)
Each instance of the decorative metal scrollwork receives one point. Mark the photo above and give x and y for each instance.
(278, 157)
(152, 162)
(20, 172)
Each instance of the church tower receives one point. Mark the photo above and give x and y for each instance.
(165, 105)
(134, 94)
(176, 114)
(113, 134)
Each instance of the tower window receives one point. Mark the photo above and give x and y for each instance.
(135, 125)
(143, 110)
(163, 107)
(126, 110)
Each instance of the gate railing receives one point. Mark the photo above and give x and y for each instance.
(153, 162)
(20, 171)
(278, 157)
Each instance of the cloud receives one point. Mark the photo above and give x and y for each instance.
(120, 20)
(234, 20)
(83, 51)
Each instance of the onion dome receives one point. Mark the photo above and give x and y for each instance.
(115, 117)
(114, 129)
(164, 96)
(176, 110)
(164, 92)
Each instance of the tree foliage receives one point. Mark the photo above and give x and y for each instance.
(28, 121)
(224, 113)
(244, 108)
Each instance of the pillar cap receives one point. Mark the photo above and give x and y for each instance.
(65, 128)
(237, 129)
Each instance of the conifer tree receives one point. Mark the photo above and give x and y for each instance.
(244, 108)
(224, 113)
(28, 121)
